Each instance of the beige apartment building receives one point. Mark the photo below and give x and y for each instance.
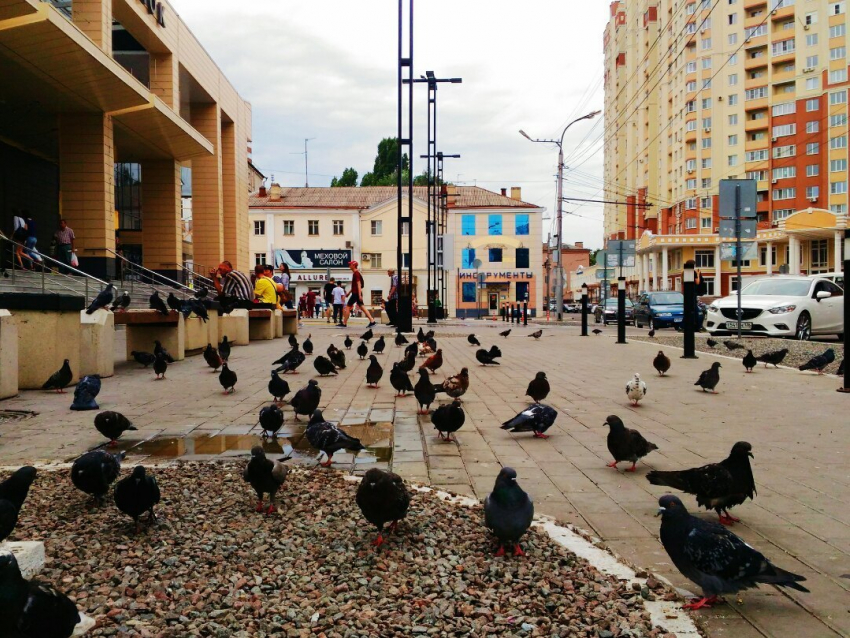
(700, 91)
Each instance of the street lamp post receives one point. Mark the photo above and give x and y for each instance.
(845, 381)
(559, 265)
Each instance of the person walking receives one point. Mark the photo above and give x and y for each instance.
(328, 296)
(392, 298)
(338, 298)
(356, 297)
(19, 235)
(302, 305)
(233, 287)
(65, 243)
(311, 303)
(31, 241)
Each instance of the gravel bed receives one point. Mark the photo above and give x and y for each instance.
(211, 566)
(799, 352)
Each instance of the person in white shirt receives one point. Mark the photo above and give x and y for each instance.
(338, 294)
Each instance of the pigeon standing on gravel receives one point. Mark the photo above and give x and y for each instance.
(60, 379)
(750, 361)
(306, 400)
(636, 389)
(383, 498)
(379, 345)
(102, 300)
(156, 303)
(374, 372)
(265, 476)
(362, 350)
(348, 342)
(224, 349)
(473, 340)
(732, 345)
(400, 340)
(448, 418)
(508, 511)
(95, 471)
(13, 493)
(537, 334)
(122, 302)
(714, 558)
(307, 346)
(160, 366)
(400, 381)
(324, 366)
(227, 378)
(278, 387)
(661, 363)
(112, 425)
(424, 392)
(143, 358)
(538, 387)
(505, 333)
(271, 420)
(485, 358)
(773, 358)
(711, 342)
(708, 379)
(212, 357)
(626, 444)
(536, 418)
(328, 438)
(137, 494)
(717, 486)
(819, 362)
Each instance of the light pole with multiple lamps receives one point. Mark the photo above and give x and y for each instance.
(559, 265)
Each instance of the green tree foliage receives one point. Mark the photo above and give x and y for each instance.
(383, 172)
(349, 178)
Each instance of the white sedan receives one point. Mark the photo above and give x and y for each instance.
(782, 306)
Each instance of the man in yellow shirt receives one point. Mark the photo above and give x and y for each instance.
(264, 288)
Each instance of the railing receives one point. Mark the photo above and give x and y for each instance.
(195, 275)
(131, 272)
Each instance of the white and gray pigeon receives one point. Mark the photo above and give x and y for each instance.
(636, 389)
(328, 438)
(714, 558)
(508, 511)
(535, 418)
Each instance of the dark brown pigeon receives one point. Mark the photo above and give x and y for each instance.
(750, 361)
(383, 498)
(538, 387)
(661, 363)
(708, 379)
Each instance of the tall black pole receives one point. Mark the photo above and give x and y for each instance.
(405, 310)
(740, 313)
(689, 289)
(430, 236)
(846, 379)
(621, 310)
(584, 310)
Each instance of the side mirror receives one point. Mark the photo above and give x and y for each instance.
(822, 294)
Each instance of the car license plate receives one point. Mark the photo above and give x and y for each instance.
(745, 325)
(677, 320)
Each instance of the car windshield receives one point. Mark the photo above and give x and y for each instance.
(667, 298)
(779, 288)
(612, 303)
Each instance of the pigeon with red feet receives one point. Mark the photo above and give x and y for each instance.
(383, 498)
(448, 419)
(329, 439)
(508, 511)
(112, 425)
(626, 444)
(536, 418)
(423, 391)
(265, 476)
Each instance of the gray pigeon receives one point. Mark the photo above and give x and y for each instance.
(535, 418)
(626, 444)
(508, 511)
(103, 299)
(328, 438)
(819, 362)
(708, 379)
(112, 425)
(265, 476)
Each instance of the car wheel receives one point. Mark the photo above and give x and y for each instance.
(803, 332)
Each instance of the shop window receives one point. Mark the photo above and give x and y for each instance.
(468, 291)
(522, 225)
(494, 225)
(522, 291)
(467, 257)
(522, 258)
(377, 296)
(468, 225)
(495, 255)
(128, 195)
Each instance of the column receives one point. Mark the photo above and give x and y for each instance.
(639, 271)
(793, 255)
(86, 188)
(165, 78)
(839, 239)
(769, 258)
(664, 284)
(718, 273)
(162, 228)
(646, 271)
(656, 271)
(94, 18)
(207, 198)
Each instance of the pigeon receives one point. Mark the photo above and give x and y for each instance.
(87, 389)
(840, 368)
(717, 486)
(212, 357)
(473, 340)
(714, 558)
(636, 389)
(626, 444)
(661, 363)
(423, 391)
(201, 292)
(95, 471)
(13, 493)
(265, 476)
(103, 299)
(505, 333)
(819, 362)
(750, 361)
(651, 333)
(596, 331)
(348, 342)
(508, 511)
(278, 387)
(420, 336)
(408, 362)
(271, 420)
(412, 349)
(173, 302)
(293, 342)
(374, 372)
(324, 366)
(137, 494)
(160, 365)
(156, 303)
(121, 302)
(434, 362)
(336, 356)
(159, 349)
(536, 334)
(328, 438)
(306, 400)
(538, 387)
(494, 352)
(400, 340)
(290, 361)
(424, 349)
(90, 383)
(708, 379)
(773, 358)
(448, 418)
(227, 379)
(193, 305)
(535, 418)
(383, 498)
(732, 345)
(112, 425)
(362, 350)
(308, 345)
(30, 609)
(224, 349)
(143, 358)
(400, 381)
(366, 336)
(60, 379)
(455, 386)
(380, 344)
(711, 343)
(485, 358)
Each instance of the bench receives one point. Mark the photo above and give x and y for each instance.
(199, 332)
(235, 325)
(8, 355)
(261, 324)
(97, 343)
(146, 326)
(289, 322)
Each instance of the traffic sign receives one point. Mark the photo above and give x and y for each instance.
(742, 191)
(748, 228)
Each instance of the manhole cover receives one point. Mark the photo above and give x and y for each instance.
(10, 416)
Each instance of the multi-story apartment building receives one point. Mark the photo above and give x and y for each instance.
(700, 91)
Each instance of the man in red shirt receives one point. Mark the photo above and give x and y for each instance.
(311, 303)
(356, 297)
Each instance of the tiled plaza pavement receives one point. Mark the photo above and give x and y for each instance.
(800, 518)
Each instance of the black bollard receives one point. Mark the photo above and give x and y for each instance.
(690, 310)
(584, 310)
(513, 313)
(621, 310)
(525, 313)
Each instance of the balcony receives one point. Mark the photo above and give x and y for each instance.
(756, 125)
(782, 13)
(755, 105)
(783, 77)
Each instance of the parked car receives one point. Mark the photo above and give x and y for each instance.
(782, 306)
(573, 306)
(608, 313)
(662, 310)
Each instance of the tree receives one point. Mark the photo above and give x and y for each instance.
(386, 161)
(593, 257)
(349, 178)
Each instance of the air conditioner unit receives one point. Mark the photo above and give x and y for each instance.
(806, 27)
(707, 129)
(775, 181)
(717, 229)
(690, 171)
(774, 139)
(348, 244)
(367, 257)
(808, 69)
(813, 199)
(719, 98)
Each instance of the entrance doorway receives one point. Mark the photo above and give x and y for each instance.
(493, 301)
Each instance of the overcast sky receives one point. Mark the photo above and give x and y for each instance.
(327, 70)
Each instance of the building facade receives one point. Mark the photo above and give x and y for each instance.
(700, 91)
(117, 112)
(574, 259)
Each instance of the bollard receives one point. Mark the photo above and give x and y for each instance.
(584, 310)
(513, 313)
(525, 313)
(621, 310)
(690, 310)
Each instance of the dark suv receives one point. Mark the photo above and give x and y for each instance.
(608, 313)
(662, 310)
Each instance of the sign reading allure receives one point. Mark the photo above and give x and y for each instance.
(522, 274)
(310, 259)
(156, 9)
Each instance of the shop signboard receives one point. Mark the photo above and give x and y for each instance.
(305, 259)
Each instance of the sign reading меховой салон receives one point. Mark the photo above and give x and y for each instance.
(306, 259)
(156, 9)
(488, 276)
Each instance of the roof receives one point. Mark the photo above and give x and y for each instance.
(362, 197)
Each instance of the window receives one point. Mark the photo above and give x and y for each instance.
(782, 213)
(706, 142)
(819, 258)
(705, 203)
(732, 160)
(467, 257)
(705, 162)
(836, 8)
(837, 31)
(784, 130)
(839, 209)
(756, 156)
(733, 38)
(691, 125)
(405, 260)
(259, 227)
(522, 226)
(733, 119)
(467, 225)
(377, 228)
(837, 165)
(494, 225)
(838, 76)
(691, 9)
(733, 18)
(812, 148)
(128, 193)
(405, 228)
(691, 67)
(812, 105)
(758, 73)
(755, 94)
(691, 27)
(837, 53)
(376, 261)
(785, 108)
(339, 227)
(704, 258)
(812, 127)
(759, 176)
(733, 59)
(706, 63)
(811, 18)
(313, 227)
(691, 203)
(812, 84)
(754, 32)
(288, 227)
(784, 151)
(784, 172)
(690, 165)
(705, 222)
(706, 43)
(838, 97)
(733, 99)
(784, 193)
(763, 256)
(690, 106)
(523, 258)
(838, 120)
(522, 291)
(468, 291)
(838, 142)
(690, 223)
(690, 184)
(783, 46)
(812, 192)
(706, 103)
(837, 188)
(706, 122)
(495, 255)
(259, 259)
(812, 170)
(706, 182)
(812, 60)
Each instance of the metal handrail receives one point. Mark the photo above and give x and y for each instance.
(194, 275)
(151, 273)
